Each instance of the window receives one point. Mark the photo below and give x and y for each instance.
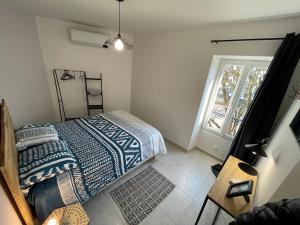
(236, 83)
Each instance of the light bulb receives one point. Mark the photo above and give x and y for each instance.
(52, 222)
(119, 45)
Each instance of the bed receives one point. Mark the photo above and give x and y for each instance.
(106, 146)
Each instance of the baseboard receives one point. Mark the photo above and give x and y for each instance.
(205, 152)
(182, 148)
(210, 154)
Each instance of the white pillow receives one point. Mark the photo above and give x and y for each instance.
(35, 134)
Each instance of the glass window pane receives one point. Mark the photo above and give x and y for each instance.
(250, 86)
(229, 79)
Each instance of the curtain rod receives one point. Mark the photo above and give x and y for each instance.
(247, 39)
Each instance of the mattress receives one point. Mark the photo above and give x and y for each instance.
(106, 147)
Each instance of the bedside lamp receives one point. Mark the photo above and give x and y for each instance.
(55, 218)
(68, 215)
(52, 221)
(256, 150)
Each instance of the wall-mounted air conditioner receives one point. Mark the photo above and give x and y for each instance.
(88, 38)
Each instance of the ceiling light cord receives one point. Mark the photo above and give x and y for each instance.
(119, 18)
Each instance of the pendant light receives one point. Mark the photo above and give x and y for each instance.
(118, 41)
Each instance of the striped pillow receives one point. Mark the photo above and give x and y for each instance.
(44, 161)
(34, 125)
(35, 134)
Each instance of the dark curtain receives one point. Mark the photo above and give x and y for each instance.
(260, 117)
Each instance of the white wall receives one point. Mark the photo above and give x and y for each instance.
(214, 144)
(7, 212)
(170, 71)
(23, 81)
(280, 171)
(59, 52)
(289, 188)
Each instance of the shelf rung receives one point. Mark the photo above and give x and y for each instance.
(91, 94)
(94, 92)
(91, 78)
(95, 106)
(67, 119)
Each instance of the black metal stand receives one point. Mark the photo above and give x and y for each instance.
(65, 76)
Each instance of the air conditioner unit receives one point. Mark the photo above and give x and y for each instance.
(88, 38)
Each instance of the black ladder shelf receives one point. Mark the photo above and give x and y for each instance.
(93, 93)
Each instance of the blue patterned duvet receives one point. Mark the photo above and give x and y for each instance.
(106, 147)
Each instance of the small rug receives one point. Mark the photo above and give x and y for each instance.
(140, 195)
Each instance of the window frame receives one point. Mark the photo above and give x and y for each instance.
(217, 67)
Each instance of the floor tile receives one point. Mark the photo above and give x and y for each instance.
(190, 215)
(189, 171)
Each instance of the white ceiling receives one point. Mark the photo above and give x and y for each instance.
(140, 16)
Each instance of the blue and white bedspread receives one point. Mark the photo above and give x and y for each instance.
(106, 146)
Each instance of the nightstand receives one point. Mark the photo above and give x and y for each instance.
(68, 215)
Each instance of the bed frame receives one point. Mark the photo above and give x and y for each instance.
(9, 174)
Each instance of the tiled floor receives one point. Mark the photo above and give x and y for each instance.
(189, 171)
